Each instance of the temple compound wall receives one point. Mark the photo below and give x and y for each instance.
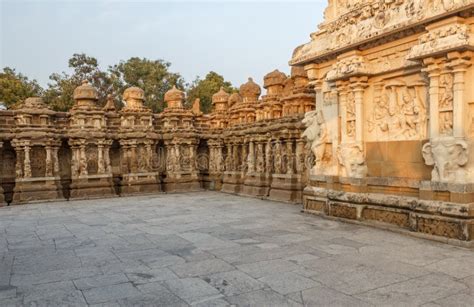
(393, 129)
(375, 125)
(248, 145)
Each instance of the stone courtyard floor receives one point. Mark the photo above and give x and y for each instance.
(213, 249)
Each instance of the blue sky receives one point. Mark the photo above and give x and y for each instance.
(235, 39)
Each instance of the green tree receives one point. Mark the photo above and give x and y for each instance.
(15, 87)
(60, 92)
(153, 76)
(205, 88)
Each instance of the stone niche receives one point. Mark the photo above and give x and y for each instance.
(392, 131)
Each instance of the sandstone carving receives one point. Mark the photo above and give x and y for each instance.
(448, 156)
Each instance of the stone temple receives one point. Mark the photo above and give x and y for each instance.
(375, 124)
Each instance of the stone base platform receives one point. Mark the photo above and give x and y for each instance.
(232, 182)
(434, 219)
(94, 186)
(37, 190)
(287, 188)
(183, 183)
(143, 183)
(2, 198)
(212, 182)
(256, 185)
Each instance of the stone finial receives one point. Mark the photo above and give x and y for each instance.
(250, 91)
(220, 97)
(274, 82)
(276, 77)
(174, 98)
(34, 103)
(234, 99)
(110, 104)
(86, 96)
(134, 98)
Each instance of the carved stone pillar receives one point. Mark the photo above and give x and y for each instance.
(108, 166)
(177, 161)
(251, 157)
(149, 156)
(300, 157)
(342, 88)
(278, 158)
(433, 70)
(459, 63)
(19, 164)
(358, 86)
(289, 157)
(133, 158)
(269, 156)
(228, 159)
(55, 152)
(49, 162)
(83, 160)
(27, 162)
(100, 159)
(260, 158)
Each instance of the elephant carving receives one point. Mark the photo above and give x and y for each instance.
(352, 158)
(448, 156)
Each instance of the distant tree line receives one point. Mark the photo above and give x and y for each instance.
(153, 76)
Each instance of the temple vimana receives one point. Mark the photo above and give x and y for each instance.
(375, 125)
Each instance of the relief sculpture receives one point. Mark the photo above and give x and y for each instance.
(400, 111)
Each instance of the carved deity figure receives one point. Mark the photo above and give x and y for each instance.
(399, 110)
(446, 100)
(446, 123)
(350, 105)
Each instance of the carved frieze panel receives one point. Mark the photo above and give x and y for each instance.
(442, 38)
(397, 110)
(351, 22)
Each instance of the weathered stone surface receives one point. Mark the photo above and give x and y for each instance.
(266, 253)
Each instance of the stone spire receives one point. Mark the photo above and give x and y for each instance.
(220, 100)
(86, 97)
(134, 98)
(250, 91)
(273, 82)
(174, 98)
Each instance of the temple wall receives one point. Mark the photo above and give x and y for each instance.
(91, 152)
(392, 131)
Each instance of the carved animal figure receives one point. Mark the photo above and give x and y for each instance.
(448, 156)
(317, 134)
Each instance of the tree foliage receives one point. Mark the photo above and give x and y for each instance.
(205, 88)
(15, 87)
(60, 92)
(153, 76)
